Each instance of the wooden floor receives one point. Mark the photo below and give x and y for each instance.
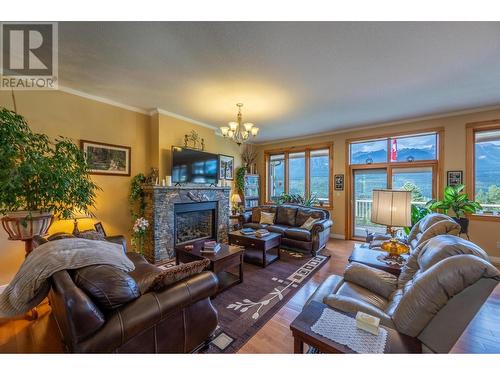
(481, 336)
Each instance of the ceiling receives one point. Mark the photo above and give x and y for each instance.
(294, 78)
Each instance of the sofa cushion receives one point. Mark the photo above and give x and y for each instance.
(309, 223)
(285, 215)
(299, 234)
(276, 228)
(357, 292)
(109, 287)
(144, 272)
(266, 218)
(305, 213)
(256, 211)
(91, 235)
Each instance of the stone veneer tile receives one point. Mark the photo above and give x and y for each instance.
(160, 201)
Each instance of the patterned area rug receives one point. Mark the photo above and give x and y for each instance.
(246, 307)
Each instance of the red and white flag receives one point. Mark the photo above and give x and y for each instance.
(394, 150)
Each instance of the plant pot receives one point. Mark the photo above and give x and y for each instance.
(19, 226)
(464, 224)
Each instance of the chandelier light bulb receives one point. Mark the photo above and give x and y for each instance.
(248, 126)
(254, 131)
(233, 125)
(230, 133)
(224, 130)
(238, 131)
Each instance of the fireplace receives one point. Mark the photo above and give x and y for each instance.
(194, 221)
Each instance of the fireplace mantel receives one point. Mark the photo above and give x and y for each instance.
(160, 201)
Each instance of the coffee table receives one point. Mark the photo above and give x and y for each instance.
(363, 254)
(302, 334)
(258, 250)
(222, 263)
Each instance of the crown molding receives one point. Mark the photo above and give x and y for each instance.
(384, 124)
(181, 117)
(102, 100)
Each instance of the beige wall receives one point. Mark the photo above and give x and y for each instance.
(150, 137)
(486, 234)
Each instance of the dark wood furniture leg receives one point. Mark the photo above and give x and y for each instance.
(298, 345)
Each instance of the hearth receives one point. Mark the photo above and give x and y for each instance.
(195, 221)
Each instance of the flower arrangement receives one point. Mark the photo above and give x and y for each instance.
(139, 230)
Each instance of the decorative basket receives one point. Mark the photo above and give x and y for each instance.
(19, 226)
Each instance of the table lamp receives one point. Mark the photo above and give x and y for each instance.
(236, 199)
(393, 209)
(77, 215)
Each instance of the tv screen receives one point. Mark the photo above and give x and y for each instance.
(194, 167)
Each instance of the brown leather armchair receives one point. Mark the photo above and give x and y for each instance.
(178, 319)
(441, 288)
(288, 219)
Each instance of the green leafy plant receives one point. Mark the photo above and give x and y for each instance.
(456, 200)
(417, 213)
(37, 174)
(137, 205)
(308, 201)
(240, 179)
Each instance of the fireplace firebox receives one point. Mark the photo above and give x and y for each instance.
(195, 221)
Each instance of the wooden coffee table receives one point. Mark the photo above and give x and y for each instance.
(258, 249)
(363, 254)
(302, 334)
(222, 263)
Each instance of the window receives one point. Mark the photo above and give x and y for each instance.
(320, 174)
(308, 173)
(483, 146)
(297, 173)
(408, 162)
(276, 175)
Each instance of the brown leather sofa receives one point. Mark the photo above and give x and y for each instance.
(177, 319)
(439, 291)
(287, 222)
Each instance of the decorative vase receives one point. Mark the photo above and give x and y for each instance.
(20, 226)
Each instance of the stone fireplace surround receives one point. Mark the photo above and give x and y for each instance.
(160, 212)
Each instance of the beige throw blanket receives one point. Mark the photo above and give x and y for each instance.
(32, 282)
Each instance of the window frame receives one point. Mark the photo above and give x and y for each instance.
(436, 164)
(307, 151)
(470, 153)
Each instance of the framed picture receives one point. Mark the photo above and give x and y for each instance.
(99, 228)
(226, 165)
(339, 182)
(455, 178)
(107, 159)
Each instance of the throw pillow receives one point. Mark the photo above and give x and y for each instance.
(91, 235)
(309, 223)
(267, 218)
(107, 286)
(174, 274)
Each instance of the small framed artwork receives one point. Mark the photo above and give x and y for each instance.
(455, 178)
(339, 182)
(226, 165)
(99, 228)
(107, 159)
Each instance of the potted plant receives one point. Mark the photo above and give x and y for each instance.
(417, 213)
(39, 179)
(458, 201)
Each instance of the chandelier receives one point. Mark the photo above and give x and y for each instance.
(238, 131)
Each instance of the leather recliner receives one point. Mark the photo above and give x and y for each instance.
(439, 291)
(287, 222)
(177, 319)
(430, 226)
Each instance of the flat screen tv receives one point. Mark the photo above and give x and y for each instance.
(194, 167)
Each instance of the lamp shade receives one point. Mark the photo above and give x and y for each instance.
(391, 208)
(236, 198)
(78, 214)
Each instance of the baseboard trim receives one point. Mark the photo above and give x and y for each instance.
(337, 236)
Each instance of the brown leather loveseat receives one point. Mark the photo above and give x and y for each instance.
(287, 221)
(177, 319)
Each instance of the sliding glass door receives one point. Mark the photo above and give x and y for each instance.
(364, 182)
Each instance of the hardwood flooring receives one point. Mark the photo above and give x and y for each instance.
(41, 336)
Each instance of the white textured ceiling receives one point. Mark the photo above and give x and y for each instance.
(295, 78)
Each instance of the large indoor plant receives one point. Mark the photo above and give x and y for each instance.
(39, 179)
(456, 200)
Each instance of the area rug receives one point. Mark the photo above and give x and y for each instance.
(246, 307)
